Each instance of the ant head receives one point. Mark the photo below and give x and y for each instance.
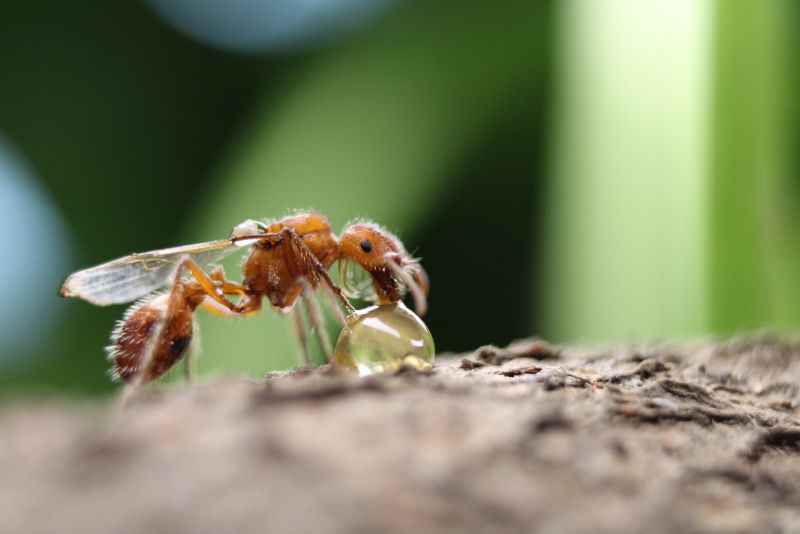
(369, 245)
(383, 257)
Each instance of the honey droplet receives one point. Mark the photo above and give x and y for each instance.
(382, 339)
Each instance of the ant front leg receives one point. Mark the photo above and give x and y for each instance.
(305, 260)
(300, 256)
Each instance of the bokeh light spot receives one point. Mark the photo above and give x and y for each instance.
(35, 259)
(267, 25)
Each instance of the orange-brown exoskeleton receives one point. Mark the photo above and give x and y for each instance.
(288, 260)
(383, 257)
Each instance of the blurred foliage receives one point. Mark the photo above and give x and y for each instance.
(625, 237)
(754, 189)
(568, 169)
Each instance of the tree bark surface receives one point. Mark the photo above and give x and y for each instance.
(701, 436)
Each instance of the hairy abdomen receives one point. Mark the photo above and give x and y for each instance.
(132, 338)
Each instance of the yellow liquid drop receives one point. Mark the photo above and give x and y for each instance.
(382, 339)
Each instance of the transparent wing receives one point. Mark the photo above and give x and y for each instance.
(134, 276)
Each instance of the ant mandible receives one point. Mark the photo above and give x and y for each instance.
(288, 260)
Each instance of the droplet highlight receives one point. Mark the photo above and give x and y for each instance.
(382, 339)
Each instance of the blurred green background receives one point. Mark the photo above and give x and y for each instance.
(577, 169)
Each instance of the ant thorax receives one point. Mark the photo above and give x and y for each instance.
(289, 259)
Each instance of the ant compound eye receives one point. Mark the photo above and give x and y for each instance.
(365, 245)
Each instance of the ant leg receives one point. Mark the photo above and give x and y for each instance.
(300, 329)
(244, 308)
(419, 275)
(416, 289)
(303, 255)
(248, 305)
(217, 274)
(214, 285)
(331, 299)
(251, 306)
(316, 321)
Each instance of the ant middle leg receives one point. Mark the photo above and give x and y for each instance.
(300, 331)
(307, 294)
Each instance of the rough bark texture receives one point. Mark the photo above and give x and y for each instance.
(697, 437)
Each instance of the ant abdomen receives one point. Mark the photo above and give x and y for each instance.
(133, 336)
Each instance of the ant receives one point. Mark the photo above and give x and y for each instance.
(288, 259)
